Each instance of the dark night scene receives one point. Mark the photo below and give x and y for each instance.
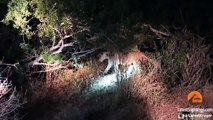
(106, 60)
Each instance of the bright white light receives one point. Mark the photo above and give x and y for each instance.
(109, 82)
(105, 82)
(131, 71)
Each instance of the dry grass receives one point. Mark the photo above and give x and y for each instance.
(208, 96)
(143, 97)
(63, 84)
(149, 83)
(186, 61)
(197, 67)
(8, 104)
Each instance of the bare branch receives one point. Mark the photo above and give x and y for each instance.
(36, 61)
(60, 48)
(158, 32)
(67, 36)
(88, 52)
(46, 64)
(56, 46)
(84, 53)
(7, 64)
(52, 69)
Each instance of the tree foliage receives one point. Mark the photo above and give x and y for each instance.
(19, 15)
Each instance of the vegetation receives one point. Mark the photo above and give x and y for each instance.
(10, 102)
(49, 51)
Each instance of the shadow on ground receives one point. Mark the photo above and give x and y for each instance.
(107, 106)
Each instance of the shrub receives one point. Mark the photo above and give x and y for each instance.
(19, 15)
(8, 104)
(186, 61)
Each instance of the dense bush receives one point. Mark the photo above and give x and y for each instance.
(186, 61)
(9, 102)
